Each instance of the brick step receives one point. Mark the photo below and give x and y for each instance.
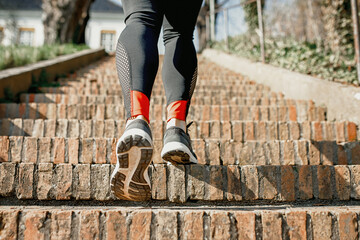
(283, 222)
(210, 152)
(158, 112)
(213, 129)
(198, 93)
(46, 181)
(112, 99)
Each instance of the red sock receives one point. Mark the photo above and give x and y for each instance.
(139, 105)
(177, 110)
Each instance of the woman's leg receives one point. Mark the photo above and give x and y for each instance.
(137, 57)
(179, 76)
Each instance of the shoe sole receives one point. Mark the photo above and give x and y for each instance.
(130, 179)
(177, 153)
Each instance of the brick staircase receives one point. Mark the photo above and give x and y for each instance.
(269, 167)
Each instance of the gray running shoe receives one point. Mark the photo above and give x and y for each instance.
(130, 179)
(177, 147)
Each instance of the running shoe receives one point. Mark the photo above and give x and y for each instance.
(177, 146)
(130, 179)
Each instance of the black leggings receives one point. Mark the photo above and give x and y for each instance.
(137, 57)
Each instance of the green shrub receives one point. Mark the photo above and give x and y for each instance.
(15, 56)
(303, 57)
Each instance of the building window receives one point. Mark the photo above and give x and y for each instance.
(108, 40)
(26, 36)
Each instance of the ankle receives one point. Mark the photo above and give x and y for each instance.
(174, 122)
(142, 117)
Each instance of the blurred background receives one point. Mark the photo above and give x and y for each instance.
(314, 37)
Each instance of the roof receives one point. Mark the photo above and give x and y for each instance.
(20, 4)
(105, 6)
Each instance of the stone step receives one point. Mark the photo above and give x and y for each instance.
(108, 223)
(158, 112)
(206, 100)
(46, 181)
(212, 129)
(197, 93)
(210, 152)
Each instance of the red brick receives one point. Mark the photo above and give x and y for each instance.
(355, 181)
(82, 180)
(59, 150)
(340, 132)
(314, 153)
(268, 182)
(9, 225)
(226, 130)
(249, 131)
(233, 183)
(165, 225)
(342, 179)
(116, 226)
(157, 129)
(204, 129)
(4, 149)
(215, 188)
(283, 131)
(100, 155)
(44, 185)
(44, 150)
(250, 181)
(282, 114)
(215, 130)
(324, 174)
(140, 225)
(73, 146)
(7, 178)
(16, 143)
(30, 144)
(193, 225)
(348, 225)
(341, 154)
(302, 152)
(87, 150)
(199, 149)
(287, 183)
(294, 129)
(305, 182)
(328, 149)
(351, 131)
(355, 154)
(227, 153)
(296, 220)
(42, 109)
(113, 158)
(26, 181)
(245, 225)
(292, 113)
(89, 224)
(2, 110)
(176, 191)
(32, 110)
(158, 182)
(215, 112)
(237, 130)
(196, 182)
(219, 225)
(306, 130)
(213, 152)
(321, 224)
(289, 153)
(329, 131)
(225, 113)
(60, 224)
(261, 131)
(63, 181)
(34, 223)
(271, 225)
(205, 113)
(317, 134)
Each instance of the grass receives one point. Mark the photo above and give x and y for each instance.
(15, 56)
(304, 57)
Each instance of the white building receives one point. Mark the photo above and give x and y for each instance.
(20, 23)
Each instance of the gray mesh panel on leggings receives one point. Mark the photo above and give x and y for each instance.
(192, 88)
(123, 69)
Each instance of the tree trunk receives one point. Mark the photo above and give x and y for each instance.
(65, 20)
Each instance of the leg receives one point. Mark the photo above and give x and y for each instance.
(137, 54)
(180, 61)
(137, 63)
(179, 77)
